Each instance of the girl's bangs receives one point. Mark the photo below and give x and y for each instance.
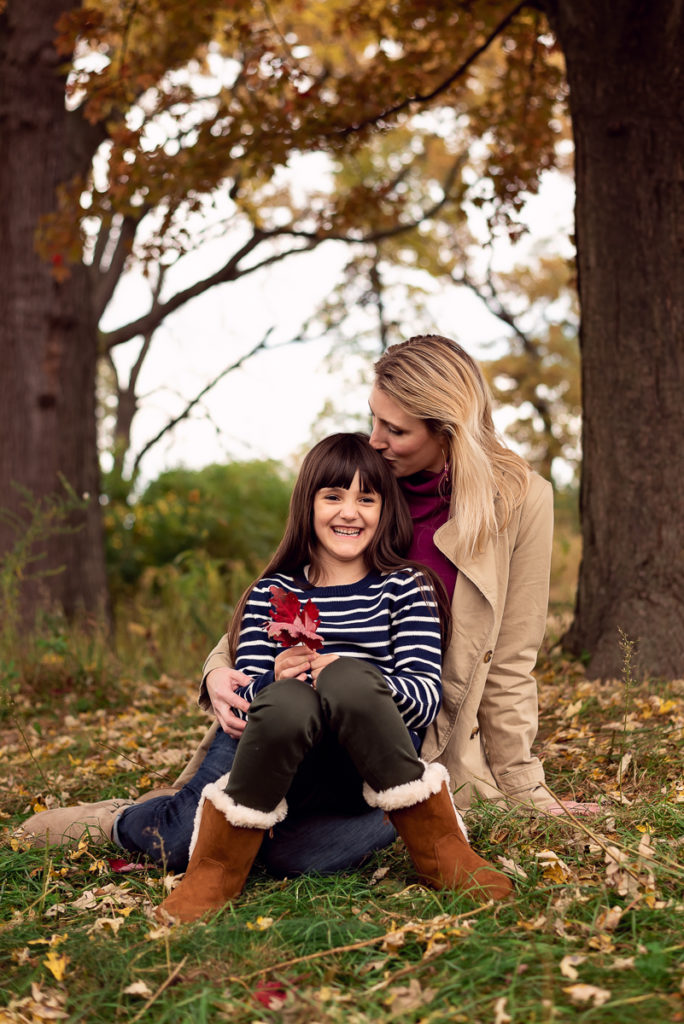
(341, 463)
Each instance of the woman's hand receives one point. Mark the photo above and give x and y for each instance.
(293, 663)
(221, 686)
(319, 662)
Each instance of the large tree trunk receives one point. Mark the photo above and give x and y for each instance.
(48, 330)
(624, 67)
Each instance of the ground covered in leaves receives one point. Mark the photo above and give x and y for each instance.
(595, 931)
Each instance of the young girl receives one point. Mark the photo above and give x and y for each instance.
(333, 728)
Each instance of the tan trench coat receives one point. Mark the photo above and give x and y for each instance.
(488, 720)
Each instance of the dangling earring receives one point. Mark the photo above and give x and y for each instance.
(445, 475)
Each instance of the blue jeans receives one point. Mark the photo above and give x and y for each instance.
(323, 843)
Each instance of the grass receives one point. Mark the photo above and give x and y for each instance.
(78, 941)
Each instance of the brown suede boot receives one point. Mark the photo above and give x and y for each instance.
(225, 841)
(423, 814)
(64, 826)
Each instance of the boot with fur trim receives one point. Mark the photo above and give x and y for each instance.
(424, 815)
(225, 840)
(64, 826)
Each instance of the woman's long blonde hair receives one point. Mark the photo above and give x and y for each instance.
(434, 379)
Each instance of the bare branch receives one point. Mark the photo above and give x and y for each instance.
(197, 399)
(231, 270)
(493, 303)
(108, 279)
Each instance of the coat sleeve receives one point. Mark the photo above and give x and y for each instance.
(508, 713)
(217, 658)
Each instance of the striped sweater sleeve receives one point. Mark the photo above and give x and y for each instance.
(256, 651)
(415, 677)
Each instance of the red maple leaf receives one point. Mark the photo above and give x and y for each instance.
(290, 623)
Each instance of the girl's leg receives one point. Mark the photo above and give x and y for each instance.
(162, 827)
(236, 811)
(285, 725)
(361, 715)
(360, 711)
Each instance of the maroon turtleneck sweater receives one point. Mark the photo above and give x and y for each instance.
(429, 507)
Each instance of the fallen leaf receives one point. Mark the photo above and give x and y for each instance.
(138, 988)
(122, 866)
(403, 999)
(56, 964)
(511, 868)
(500, 1014)
(261, 924)
(270, 994)
(608, 920)
(585, 993)
(569, 963)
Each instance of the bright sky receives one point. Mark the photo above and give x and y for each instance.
(267, 408)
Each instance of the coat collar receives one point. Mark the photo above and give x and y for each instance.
(480, 568)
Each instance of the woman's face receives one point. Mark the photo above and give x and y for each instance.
(404, 440)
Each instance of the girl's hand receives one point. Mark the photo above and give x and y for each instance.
(293, 663)
(319, 662)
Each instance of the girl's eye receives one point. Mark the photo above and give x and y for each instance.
(393, 430)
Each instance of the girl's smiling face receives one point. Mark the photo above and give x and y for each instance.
(402, 439)
(345, 520)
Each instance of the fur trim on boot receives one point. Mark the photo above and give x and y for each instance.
(434, 777)
(225, 841)
(64, 826)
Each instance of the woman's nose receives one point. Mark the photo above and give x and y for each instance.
(376, 439)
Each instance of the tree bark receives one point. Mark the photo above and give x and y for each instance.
(48, 330)
(624, 68)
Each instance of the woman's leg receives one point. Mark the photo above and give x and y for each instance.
(325, 843)
(162, 827)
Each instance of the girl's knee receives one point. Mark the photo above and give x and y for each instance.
(349, 684)
(284, 708)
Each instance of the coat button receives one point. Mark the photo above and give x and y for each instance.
(487, 657)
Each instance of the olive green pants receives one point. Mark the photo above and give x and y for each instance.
(317, 747)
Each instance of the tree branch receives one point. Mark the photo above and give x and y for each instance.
(442, 87)
(231, 270)
(108, 279)
(196, 400)
(492, 302)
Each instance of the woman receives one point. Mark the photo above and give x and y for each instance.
(483, 521)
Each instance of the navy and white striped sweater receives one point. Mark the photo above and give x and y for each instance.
(387, 620)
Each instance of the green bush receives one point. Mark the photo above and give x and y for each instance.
(180, 557)
(234, 513)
